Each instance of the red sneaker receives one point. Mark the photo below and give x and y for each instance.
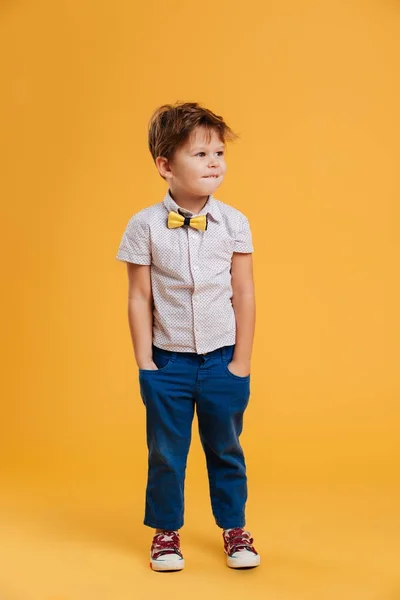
(165, 553)
(239, 549)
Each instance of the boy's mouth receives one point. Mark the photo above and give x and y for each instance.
(210, 176)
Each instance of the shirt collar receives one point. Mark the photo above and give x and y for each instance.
(211, 207)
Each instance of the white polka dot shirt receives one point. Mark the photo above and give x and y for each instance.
(190, 272)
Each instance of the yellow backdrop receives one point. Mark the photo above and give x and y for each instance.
(313, 90)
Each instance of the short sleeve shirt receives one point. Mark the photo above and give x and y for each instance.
(190, 272)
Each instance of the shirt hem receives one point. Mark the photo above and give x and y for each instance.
(194, 350)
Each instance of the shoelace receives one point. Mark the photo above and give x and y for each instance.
(238, 539)
(164, 543)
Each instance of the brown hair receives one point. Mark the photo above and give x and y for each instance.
(171, 125)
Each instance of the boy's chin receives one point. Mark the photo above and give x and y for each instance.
(209, 185)
(205, 188)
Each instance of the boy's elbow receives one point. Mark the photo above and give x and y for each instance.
(244, 290)
(139, 297)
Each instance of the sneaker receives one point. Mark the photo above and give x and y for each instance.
(239, 549)
(165, 553)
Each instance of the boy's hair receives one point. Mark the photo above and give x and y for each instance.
(171, 125)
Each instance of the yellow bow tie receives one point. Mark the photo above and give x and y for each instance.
(177, 220)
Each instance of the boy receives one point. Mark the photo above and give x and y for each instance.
(191, 312)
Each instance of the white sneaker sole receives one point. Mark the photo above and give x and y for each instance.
(243, 562)
(166, 564)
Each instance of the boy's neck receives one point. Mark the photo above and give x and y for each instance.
(194, 204)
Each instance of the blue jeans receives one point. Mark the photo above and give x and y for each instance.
(183, 381)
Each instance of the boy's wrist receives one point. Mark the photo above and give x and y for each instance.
(144, 361)
(241, 357)
(149, 365)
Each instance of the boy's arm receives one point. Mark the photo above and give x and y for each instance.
(243, 301)
(140, 314)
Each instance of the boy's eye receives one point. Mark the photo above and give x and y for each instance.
(203, 153)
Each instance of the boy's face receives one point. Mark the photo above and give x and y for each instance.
(198, 166)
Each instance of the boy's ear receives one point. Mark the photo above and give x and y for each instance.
(163, 167)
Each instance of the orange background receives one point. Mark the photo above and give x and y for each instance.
(313, 90)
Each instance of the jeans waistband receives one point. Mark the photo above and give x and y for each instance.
(224, 351)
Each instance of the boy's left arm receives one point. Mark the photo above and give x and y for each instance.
(243, 301)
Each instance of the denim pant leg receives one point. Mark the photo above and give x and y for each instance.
(221, 400)
(168, 396)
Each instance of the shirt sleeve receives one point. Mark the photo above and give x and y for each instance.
(135, 243)
(244, 241)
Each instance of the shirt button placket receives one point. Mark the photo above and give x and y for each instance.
(193, 257)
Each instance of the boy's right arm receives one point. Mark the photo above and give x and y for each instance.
(140, 314)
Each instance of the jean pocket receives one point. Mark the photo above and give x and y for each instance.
(162, 360)
(237, 377)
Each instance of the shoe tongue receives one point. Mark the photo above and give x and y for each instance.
(233, 529)
(241, 532)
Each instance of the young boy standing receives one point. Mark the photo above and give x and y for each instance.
(191, 310)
